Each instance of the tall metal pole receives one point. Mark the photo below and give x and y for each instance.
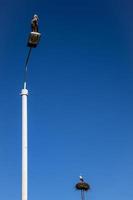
(33, 41)
(26, 68)
(82, 195)
(24, 94)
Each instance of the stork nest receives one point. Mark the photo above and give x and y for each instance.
(82, 186)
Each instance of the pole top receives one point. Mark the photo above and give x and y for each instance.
(82, 185)
(24, 92)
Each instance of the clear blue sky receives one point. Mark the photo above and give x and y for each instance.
(80, 98)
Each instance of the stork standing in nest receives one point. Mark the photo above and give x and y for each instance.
(83, 187)
(34, 23)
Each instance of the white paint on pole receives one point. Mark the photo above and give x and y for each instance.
(24, 94)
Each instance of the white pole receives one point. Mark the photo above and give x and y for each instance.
(24, 94)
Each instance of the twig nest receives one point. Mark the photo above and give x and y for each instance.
(82, 186)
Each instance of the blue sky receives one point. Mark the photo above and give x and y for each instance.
(80, 98)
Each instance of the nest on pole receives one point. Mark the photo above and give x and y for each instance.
(82, 186)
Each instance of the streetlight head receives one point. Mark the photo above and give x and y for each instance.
(82, 186)
(33, 39)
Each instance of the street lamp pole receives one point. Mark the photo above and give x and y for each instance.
(33, 41)
(24, 94)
